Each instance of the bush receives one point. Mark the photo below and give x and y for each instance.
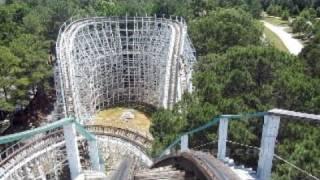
(274, 10)
(285, 15)
(301, 25)
(318, 11)
(308, 14)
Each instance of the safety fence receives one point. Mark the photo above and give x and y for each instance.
(236, 152)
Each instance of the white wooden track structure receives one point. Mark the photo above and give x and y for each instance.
(105, 61)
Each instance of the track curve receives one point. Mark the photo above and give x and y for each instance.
(197, 164)
(103, 61)
(20, 155)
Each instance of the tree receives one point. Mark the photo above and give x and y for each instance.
(274, 10)
(9, 68)
(308, 14)
(311, 56)
(254, 7)
(37, 20)
(165, 127)
(301, 25)
(242, 72)
(108, 8)
(285, 15)
(34, 68)
(318, 11)
(224, 28)
(11, 17)
(252, 78)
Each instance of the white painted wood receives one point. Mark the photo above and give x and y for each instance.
(184, 143)
(222, 138)
(72, 149)
(269, 135)
(94, 155)
(282, 112)
(41, 173)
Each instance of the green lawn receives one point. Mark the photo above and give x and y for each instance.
(275, 40)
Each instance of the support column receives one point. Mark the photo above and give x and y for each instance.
(269, 135)
(40, 171)
(72, 149)
(222, 138)
(94, 155)
(184, 142)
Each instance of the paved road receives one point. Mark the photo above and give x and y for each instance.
(294, 46)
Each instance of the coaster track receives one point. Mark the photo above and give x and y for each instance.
(105, 61)
(19, 154)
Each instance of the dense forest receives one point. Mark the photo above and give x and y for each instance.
(237, 71)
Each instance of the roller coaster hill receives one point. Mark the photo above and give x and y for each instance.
(106, 61)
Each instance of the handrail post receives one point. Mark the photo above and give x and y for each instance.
(222, 138)
(70, 136)
(268, 141)
(94, 155)
(184, 146)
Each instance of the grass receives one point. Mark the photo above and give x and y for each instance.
(112, 117)
(275, 21)
(275, 40)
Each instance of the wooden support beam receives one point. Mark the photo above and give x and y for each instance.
(222, 138)
(72, 149)
(268, 141)
(184, 143)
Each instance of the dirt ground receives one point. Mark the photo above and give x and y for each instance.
(114, 117)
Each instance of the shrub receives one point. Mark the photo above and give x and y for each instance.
(285, 15)
(274, 10)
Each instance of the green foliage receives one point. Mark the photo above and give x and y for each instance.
(107, 8)
(311, 56)
(308, 14)
(275, 10)
(302, 25)
(294, 6)
(23, 71)
(11, 17)
(318, 11)
(166, 131)
(189, 113)
(254, 7)
(302, 141)
(242, 74)
(9, 67)
(248, 79)
(24, 61)
(35, 22)
(32, 51)
(224, 28)
(122, 8)
(285, 15)
(251, 6)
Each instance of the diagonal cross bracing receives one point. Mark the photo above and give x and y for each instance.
(105, 61)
